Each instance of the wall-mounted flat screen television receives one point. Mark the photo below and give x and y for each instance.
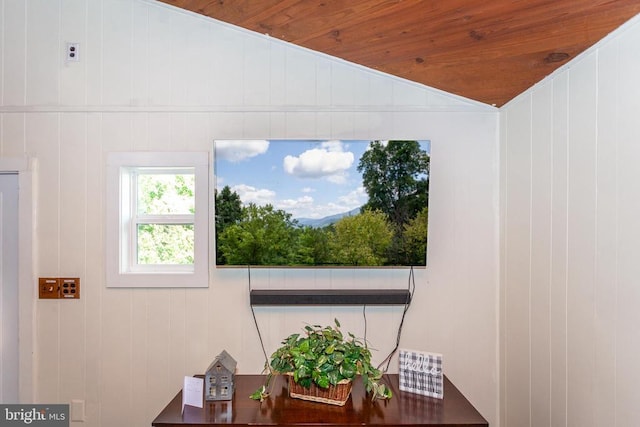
(352, 203)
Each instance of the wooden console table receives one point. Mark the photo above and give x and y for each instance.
(403, 409)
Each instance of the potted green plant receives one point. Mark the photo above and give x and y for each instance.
(322, 361)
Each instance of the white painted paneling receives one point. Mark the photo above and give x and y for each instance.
(73, 173)
(158, 135)
(541, 193)
(226, 125)
(140, 54)
(324, 82)
(177, 336)
(116, 132)
(195, 130)
(517, 266)
(558, 291)
(158, 343)
(14, 35)
(585, 363)
(72, 249)
(502, 294)
(361, 89)
(463, 174)
(93, 277)
(227, 74)
(343, 79)
(341, 125)
(42, 137)
(158, 55)
(381, 91)
(43, 52)
(12, 128)
(125, 351)
(606, 234)
(277, 69)
(256, 71)
(140, 344)
(116, 374)
(627, 375)
(190, 62)
(92, 53)
(73, 21)
(301, 123)
(300, 77)
(405, 93)
(581, 239)
(116, 52)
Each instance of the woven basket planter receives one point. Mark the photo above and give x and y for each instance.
(334, 394)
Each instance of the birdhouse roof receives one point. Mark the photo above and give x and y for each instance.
(225, 360)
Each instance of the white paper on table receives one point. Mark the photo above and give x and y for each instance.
(192, 392)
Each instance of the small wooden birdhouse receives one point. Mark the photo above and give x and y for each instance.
(220, 377)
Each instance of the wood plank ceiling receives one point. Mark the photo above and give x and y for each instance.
(486, 50)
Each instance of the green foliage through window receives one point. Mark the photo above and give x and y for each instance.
(165, 244)
(164, 216)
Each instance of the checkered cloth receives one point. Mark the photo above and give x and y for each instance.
(421, 373)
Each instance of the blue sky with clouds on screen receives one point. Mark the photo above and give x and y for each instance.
(308, 179)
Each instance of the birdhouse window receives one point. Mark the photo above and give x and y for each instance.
(212, 380)
(212, 391)
(224, 379)
(224, 391)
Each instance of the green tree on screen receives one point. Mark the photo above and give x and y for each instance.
(395, 176)
(415, 237)
(362, 239)
(228, 210)
(264, 236)
(313, 246)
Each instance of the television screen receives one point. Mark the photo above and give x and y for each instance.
(293, 203)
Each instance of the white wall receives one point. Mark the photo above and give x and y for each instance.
(154, 78)
(570, 243)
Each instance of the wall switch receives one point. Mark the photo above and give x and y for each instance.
(76, 410)
(59, 288)
(48, 288)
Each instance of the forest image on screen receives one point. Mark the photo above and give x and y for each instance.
(295, 203)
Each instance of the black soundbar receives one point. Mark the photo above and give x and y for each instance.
(330, 297)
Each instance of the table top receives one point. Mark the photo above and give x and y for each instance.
(403, 409)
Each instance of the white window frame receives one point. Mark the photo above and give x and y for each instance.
(122, 267)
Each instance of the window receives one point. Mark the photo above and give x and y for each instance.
(157, 219)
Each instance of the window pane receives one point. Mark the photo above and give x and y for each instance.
(165, 244)
(166, 193)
